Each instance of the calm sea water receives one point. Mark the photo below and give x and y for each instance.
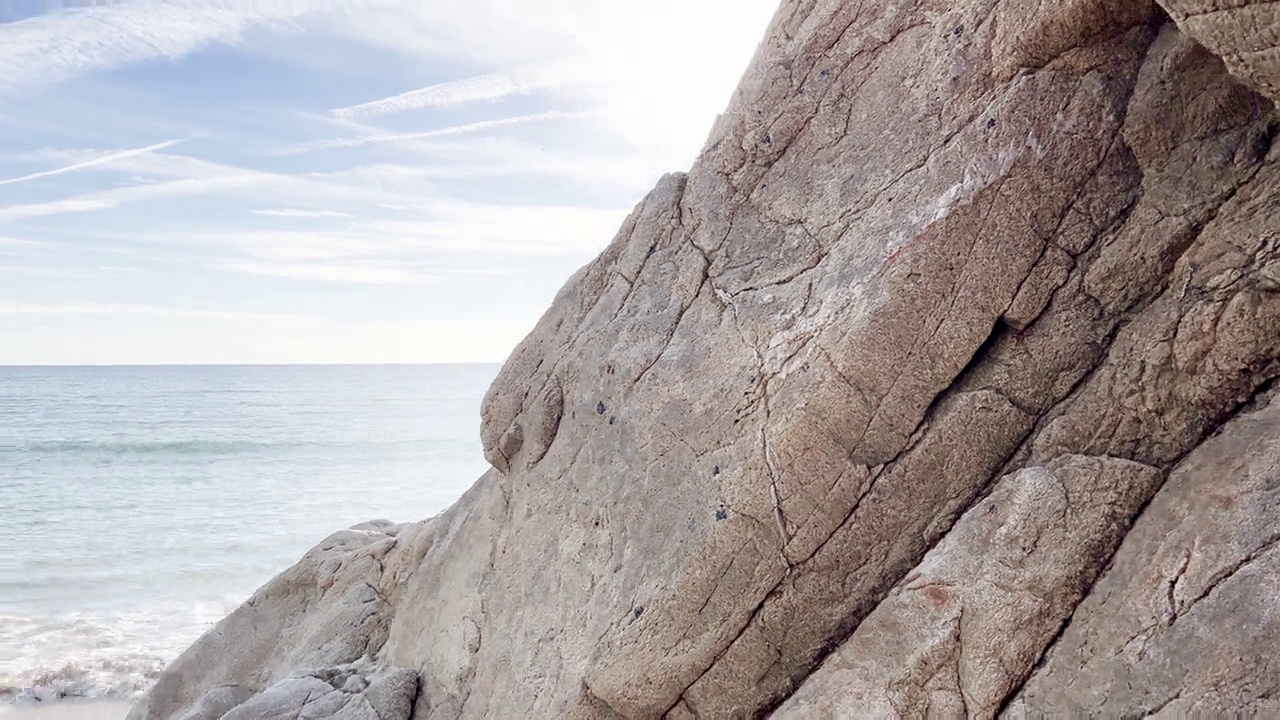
(140, 505)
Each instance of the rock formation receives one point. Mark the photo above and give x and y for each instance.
(939, 385)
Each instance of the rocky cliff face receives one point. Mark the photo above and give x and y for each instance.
(940, 384)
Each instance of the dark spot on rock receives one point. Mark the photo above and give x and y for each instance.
(715, 470)
(722, 514)
(826, 73)
(991, 122)
(637, 612)
(958, 31)
(768, 140)
(613, 419)
(617, 567)
(600, 408)
(608, 369)
(652, 249)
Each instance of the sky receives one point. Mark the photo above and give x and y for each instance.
(266, 181)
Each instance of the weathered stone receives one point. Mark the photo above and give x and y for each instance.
(1244, 33)
(287, 699)
(218, 702)
(323, 612)
(351, 692)
(881, 381)
(962, 630)
(1185, 622)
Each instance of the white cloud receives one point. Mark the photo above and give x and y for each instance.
(660, 70)
(55, 207)
(178, 339)
(367, 191)
(21, 243)
(440, 226)
(622, 172)
(295, 213)
(100, 159)
(185, 176)
(357, 274)
(515, 230)
(57, 46)
(105, 199)
(17, 307)
(45, 271)
(457, 239)
(492, 33)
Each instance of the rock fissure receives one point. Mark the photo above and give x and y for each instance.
(1222, 576)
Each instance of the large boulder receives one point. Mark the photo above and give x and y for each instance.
(882, 381)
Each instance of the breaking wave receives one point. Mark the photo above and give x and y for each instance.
(115, 656)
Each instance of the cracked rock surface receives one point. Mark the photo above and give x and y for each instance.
(938, 386)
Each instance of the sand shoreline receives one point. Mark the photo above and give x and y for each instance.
(66, 710)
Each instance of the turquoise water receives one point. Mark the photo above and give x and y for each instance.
(139, 505)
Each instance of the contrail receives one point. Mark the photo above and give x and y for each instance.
(91, 163)
(481, 88)
(474, 127)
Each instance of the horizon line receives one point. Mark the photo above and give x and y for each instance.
(4, 365)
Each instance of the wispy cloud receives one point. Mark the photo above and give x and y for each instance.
(468, 129)
(295, 213)
(106, 199)
(490, 87)
(187, 176)
(624, 173)
(64, 273)
(106, 159)
(442, 239)
(18, 307)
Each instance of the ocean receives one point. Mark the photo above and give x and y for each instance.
(139, 505)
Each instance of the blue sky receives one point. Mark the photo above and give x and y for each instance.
(377, 181)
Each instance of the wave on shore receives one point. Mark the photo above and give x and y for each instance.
(104, 656)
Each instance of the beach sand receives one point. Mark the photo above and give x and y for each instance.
(66, 710)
